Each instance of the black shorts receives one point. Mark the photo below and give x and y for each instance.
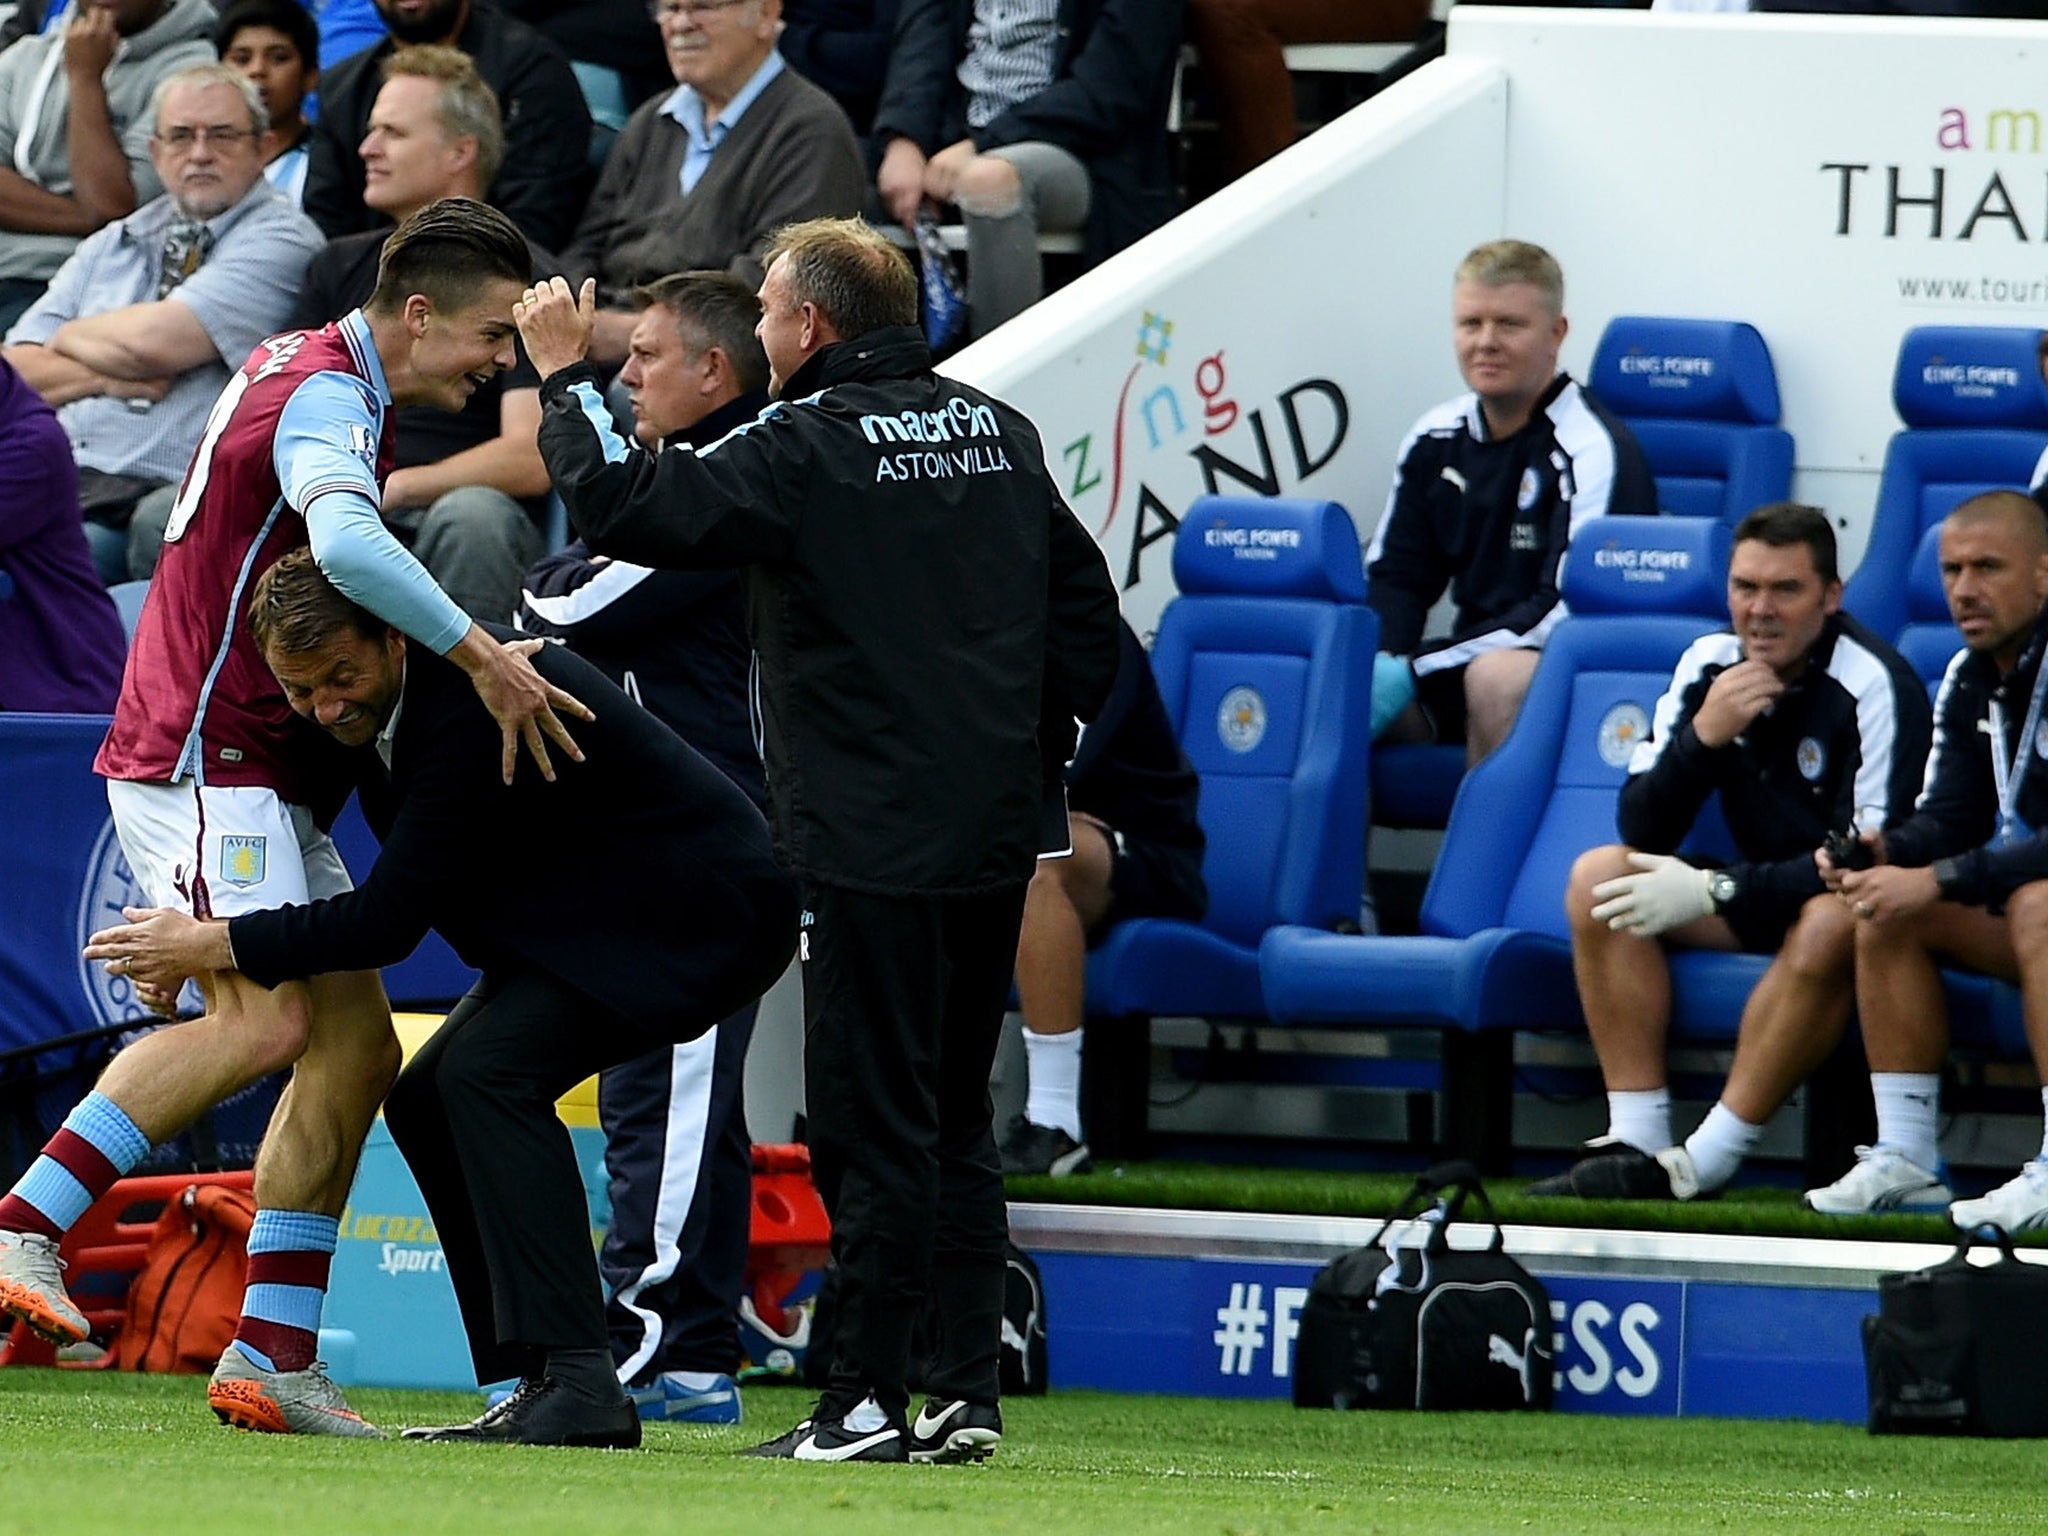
(1761, 922)
(1441, 698)
(1148, 879)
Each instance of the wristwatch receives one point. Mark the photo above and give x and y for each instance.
(1722, 888)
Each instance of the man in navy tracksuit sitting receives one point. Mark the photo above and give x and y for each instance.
(1488, 490)
(675, 1120)
(1964, 881)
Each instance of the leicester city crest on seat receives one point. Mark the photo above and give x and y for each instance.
(1622, 729)
(243, 860)
(1241, 719)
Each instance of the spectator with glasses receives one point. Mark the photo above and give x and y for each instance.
(74, 129)
(139, 330)
(702, 178)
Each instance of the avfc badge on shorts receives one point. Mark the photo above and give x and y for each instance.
(1812, 758)
(1241, 719)
(244, 860)
(1622, 729)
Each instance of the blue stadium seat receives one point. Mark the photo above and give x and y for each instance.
(1976, 415)
(1495, 954)
(1701, 397)
(1264, 662)
(128, 596)
(1929, 637)
(1414, 782)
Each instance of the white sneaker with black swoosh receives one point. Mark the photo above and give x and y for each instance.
(865, 1434)
(953, 1429)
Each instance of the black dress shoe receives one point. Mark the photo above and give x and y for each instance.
(546, 1411)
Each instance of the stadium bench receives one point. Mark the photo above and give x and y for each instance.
(1264, 662)
(1976, 415)
(1494, 956)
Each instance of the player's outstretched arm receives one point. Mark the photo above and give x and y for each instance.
(522, 701)
(325, 453)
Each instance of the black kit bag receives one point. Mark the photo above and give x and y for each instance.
(1408, 1321)
(1960, 1348)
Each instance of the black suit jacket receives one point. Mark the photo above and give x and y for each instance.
(642, 878)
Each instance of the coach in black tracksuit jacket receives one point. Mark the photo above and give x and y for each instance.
(633, 902)
(1801, 724)
(1490, 518)
(914, 581)
(1842, 748)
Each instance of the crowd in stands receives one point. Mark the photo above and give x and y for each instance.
(628, 142)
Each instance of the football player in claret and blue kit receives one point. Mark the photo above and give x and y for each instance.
(217, 800)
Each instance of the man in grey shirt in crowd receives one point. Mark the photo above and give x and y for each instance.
(139, 330)
(74, 129)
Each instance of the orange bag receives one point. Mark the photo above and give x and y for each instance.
(183, 1306)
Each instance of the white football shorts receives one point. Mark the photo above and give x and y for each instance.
(217, 851)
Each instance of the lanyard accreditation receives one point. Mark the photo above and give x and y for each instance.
(2007, 767)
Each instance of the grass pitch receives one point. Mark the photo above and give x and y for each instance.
(1752, 1209)
(140, 1455)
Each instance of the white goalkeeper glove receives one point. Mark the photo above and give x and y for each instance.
(1667, 894)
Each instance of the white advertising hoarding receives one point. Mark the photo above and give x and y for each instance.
(1833, 180)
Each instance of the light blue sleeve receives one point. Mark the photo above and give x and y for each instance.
(325, 450)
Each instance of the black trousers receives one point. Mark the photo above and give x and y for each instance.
(474, 1114)
(903, 1006)
(682, 1178)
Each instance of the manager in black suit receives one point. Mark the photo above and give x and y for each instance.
(631, 904)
